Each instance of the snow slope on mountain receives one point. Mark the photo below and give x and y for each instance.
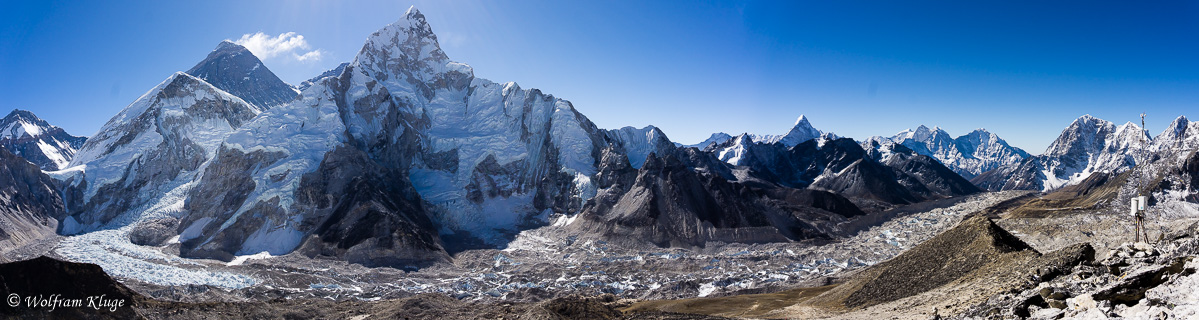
(969, 155)
(296, 136)
(482, 161)
(738, 150)
(1089, 145)
(639, 143)
(402, 142)
(1092, 145)
(164, 136)
(880, 148)
(504, 140)
(714, 139)
(800, 132)
(1181, 135)
(138, 168)
(47, 146)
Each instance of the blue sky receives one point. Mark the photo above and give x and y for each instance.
(1021, 69)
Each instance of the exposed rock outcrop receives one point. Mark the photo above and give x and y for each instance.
(30, 204)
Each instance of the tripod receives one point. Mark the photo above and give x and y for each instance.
(1138, 207)
(1141, 235)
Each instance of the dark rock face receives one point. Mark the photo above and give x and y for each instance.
(818, 199)
(235, 70)
(843, 167)
(73, 283)
(366, 213)
(154, 232)
(1028, 175)
(687, 197)
(219, 195)
(921, 172)
(1191, 169)
(670, 204)
(30, 204)
(16, 138)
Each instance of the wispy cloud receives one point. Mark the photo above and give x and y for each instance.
(285, 46)
(314, 55)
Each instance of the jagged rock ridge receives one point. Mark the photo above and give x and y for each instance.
(30, 204)
(1089, 145)
(49, 147)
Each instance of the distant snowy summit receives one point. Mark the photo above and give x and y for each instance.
(49, 147)
(968, 155)
(734, 149)
(1091, 145)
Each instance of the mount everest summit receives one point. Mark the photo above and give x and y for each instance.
(232, 68)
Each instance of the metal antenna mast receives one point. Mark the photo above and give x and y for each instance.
(1140, 201)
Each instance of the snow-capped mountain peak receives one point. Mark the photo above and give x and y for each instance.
(1131, 134)
(639, 143)
(714, 139)
(234, 69)
(968, 155)
(801, 119)
(1181, 134)
(167, 133)
(415, 20)
(484, 159)
(802, 131)
(47, 146)
(1088, 145)
(21, 123)
(1084, 135)
(922, 134)
(1176, 129)
(406, 58)
(736, 150)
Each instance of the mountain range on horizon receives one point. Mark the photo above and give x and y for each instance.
(403, 157)
(402, 184)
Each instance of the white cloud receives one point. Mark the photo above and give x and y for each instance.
(286, 45)
(314, 55)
